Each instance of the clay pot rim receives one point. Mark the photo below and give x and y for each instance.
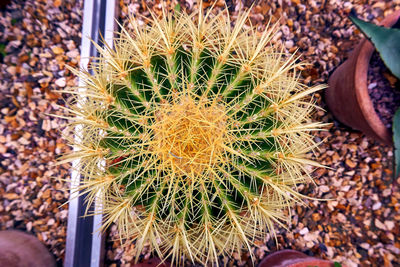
(296, 258)
(361, 82)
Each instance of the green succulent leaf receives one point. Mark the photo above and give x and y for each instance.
(177, 8)
(386, 41)
(396, 140)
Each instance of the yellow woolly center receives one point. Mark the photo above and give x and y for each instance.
(189, 136)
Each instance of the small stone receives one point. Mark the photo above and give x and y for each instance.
(57, 3)
(309, 244)
(45, 55)
(345, 188)
(304, 231)
(73, 54)
(324, 188)
(341, 218)
(58, 196)
(29, 226)
(12, 70)
(63, 214)
(61, 82)
(316, 217)
(371, 85)
(387, 192)
(46, 125)
(379, 224)
(394, 249)
(46, 194)
(3, 149)
(329, 252)
(351, 163)
(296, 2)
(58, 50)
(377, 206)
(389, 225)
(289, 44)
(11, 196)
(365, 246)
(285, 30)
(332, 204)
(311, 236)
(23, 58)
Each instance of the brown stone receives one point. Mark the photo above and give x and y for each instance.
(316, 217)
(11, 196)
(351, 163)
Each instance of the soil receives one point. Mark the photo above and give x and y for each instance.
(384, 89)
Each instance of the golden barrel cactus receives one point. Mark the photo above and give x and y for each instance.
(193, 134)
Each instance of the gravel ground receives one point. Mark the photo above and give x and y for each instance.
(360, 226)
(384, 89)
(37, 40)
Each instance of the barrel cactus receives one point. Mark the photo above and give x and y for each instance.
(193, 133)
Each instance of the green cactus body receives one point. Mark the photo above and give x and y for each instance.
(194, 135)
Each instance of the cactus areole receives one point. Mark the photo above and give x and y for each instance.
(193, 134)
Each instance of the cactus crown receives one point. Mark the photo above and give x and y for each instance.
(193, 134)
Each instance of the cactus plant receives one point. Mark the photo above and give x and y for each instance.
(193, 134)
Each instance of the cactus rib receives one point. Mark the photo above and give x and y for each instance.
(195, 134)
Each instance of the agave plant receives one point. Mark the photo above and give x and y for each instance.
(193, 134)
(387, 43)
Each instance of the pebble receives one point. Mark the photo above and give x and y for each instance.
(57, 50)
(304, 231)
(350, 163)
(377, 206)
(316, 217)
(289, 44)
(389, 225)
(61, 82)
(345, 188)
(311, 237)
(379, 224)
(74, 54)
(371, 85)
(12, 70)
(324, 188)
(341, 218)
(365, 246)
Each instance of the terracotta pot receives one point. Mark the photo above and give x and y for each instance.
(347, 96)
(4, 3)
(18, 249)
(292, 258)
